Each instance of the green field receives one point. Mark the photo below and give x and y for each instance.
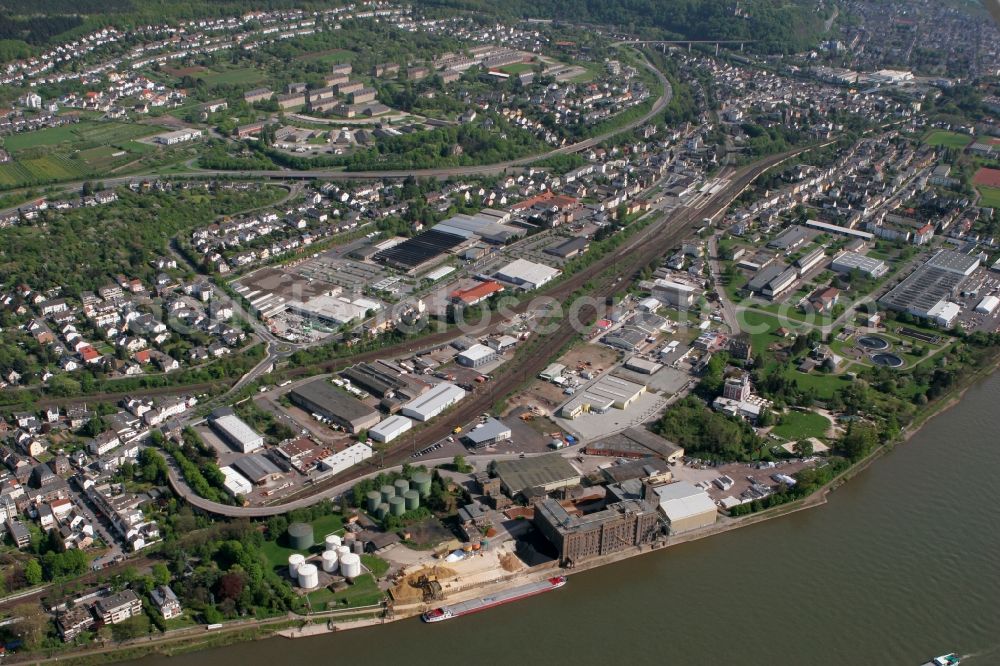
(517, 68)
(801, 425)
(990, 197)
(79, 136)
(334, 57)
(277, 550)
(363, 592)
(947, 139)
(236, 77)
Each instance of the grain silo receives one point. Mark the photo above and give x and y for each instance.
(308, 576)
(422, 482)
(330, 560)
(401, 486)
(301, 536)
(350, 565)
(294, 562)
(412, 499)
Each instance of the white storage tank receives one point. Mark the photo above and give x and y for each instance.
(294, 562)
(350, 565)
(341, 551)
(331, 542)
(308, 576)
(330, 561)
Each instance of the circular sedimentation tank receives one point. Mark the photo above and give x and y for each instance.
(294, 562)
(397, 506)
(330, 560)
(873, 342)
(412, 499)
(888, 360)
(401, 486)
(350, 565)
(373, 499)
(421, 481)
(301, 536)
(387, 492)
(308, 576)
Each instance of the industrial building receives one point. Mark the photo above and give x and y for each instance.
(420, 252)
(352, 455)
(177, 136)
(577, 538)
(390, 428)
(235, 432)
(780, 283)
(837, 229)
(641, 365)
(375, 379)
(685, 507)
(435, 401)
(256, 468)
(488, 433)
(602, 395)
(476, 356)
(789, 239)
(811, 259)
(988, 305)
(570, 248)
(845, 262)
(477, 294)
(926, 291)
(527, 274)
(673, 293)
(487, 225)
(636, 443)
(539, 473)
(321, 397)
(236, 483)
(626, 338)
(329, 309)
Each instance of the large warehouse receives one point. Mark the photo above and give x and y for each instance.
(432, 403)
(545, 473)
(686, 507)
(321, 397)
(420, 252)
(476, 356)
(602, 395)
(527, 274)
(925, 291)
(845, 262)
(390, 428)
(636, 443)
(349, 457)
(488, 433)
(236, 433)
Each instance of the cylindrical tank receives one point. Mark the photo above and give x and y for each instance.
(412, 499)
(387, 492)
(397, 506)
(350, 565)
(331, 542)
(422, 482)
(358, 548)
(373, 499)
(294, 562)
(330, 560)
(382, 509)
(308, 576)
(301, 536)
(341, 551)
(401, 486)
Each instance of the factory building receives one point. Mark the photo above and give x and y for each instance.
(321, 397)
(527, 274)
(602, 395)
(236, 433)
(236, 483)
(390, 428)
(673, 293)
(845, 262)
(685, 507)
(539, 473)
(435, 401)
(352, 455)
(636, 443)
(476, 356)
(488, 433)
(579, 537)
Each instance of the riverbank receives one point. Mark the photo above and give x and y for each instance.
(198, 638)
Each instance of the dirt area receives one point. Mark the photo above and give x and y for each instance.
(510, 563)
(408, 591)
(599, 357)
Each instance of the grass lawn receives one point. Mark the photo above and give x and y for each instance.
(990, 197)
(364, 592)
(948, 139)
(824, 384)
(761, 328)
(801, 425)
(376, 565)
(240, 76)
(277, 550)
(517, 68)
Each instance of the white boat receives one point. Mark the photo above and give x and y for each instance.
(950, 659)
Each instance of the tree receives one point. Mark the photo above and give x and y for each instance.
(134, 627)
(31, 624)
(161, 574)
(33, 572)
(230, 586)
(458, 462)
(803, 448)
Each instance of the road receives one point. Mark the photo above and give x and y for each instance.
(625, 264)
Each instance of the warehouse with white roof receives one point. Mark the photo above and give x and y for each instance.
(476, 356)
(527, 274)
(236, 483)
(435, 401)
(390, 428)
(236, 433)
(685, 506)
(345, 459)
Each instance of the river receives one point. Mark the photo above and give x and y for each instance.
(902, 563)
